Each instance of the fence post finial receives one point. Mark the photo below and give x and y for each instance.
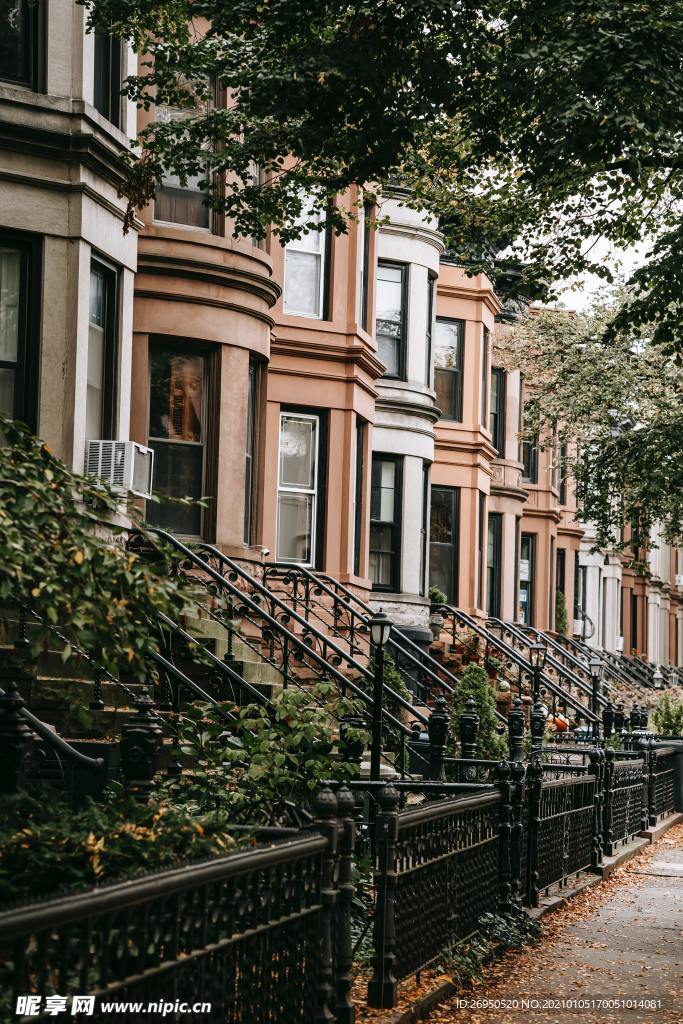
(468, 727)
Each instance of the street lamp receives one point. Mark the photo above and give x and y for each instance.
(597, 669)
(380, 630)
(658, 678)
(537, 656)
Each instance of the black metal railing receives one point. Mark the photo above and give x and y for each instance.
(662, 769)
(624, 803)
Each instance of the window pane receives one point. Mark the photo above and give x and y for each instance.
(302, 283)
(181, 206)
(446, 387)
(96, 346)
(176, 389)
(442, 525)
(7, 391)
(389, 316)
(447, 345)
(178, 474)
(297, 452)
(441, 568)
(294, 527)
(10, 287)
(15, 40)
(381, 554)
(382, 505)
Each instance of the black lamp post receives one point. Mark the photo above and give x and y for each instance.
(380, 629)
(537, 656)
(597, 669)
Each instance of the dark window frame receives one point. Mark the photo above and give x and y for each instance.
(211, 396)
(431, 324)
(358, 491)
(27, 365)
(109, 102)
(424, 529)
(34, 49)
(493, 572)
(251, 449)
(531, 589)
(403, 337)
(452, 592)
(561, 570)
(453, 415)
(485, 383)
(497, 415)
(365, 273)
(394, 585)
(321, 490)
(481, 547)
(110, 384)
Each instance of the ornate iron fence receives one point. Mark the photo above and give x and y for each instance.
(261, 935)
(438, 870)
(624, 804)
(662, 774)
(564, 835)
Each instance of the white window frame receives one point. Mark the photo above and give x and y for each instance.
(320, 252)
(297, 489)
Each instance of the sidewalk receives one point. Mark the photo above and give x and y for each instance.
(620, 940)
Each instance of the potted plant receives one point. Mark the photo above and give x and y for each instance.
(437, 599)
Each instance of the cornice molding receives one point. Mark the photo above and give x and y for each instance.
(420, 234)
(188, 268)
(200, 300)
(484, 295)
(358, 355)
(397, 405)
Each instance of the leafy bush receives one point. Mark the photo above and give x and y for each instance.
(474, 683)
(668, 716)
(561, 618)
(46, 847)
(437, 596)
(263, 772)
(61, 555)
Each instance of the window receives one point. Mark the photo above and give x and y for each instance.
(579, 591)
(561, 571)
(497, 410)
(176, 201)
(444, 533)
(530, 457)
(249, 453)
(177, 400)
(431, 296)
(297, 498)
(19, 23)
(358, 511)
(364, 230)
(634, 622)
(518, 526)
(100, 403)
(107, 82)
(551, 587)
(448, 367)
(484, 374)
(494, 540)
(385, 505)
(306, 268)
(480, 548)
(423, 526)
(19, 308)
(391, 316)
(564, 470)
(527, 578)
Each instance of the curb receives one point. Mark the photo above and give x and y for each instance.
(420, 1009)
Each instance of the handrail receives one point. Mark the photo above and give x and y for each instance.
(347, 683)
(410, 651)
(614, 667)
(548, 638)
(195, 688)
(95, 764)
(517, 658)
(573, 679)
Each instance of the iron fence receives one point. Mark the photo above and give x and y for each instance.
(662, 774)
(624, 804)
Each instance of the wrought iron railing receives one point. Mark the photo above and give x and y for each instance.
(662, 767)
(623, 808)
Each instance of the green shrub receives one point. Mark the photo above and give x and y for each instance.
(561, 619)
(474, 683)
(47, 847)
(668, 715)
(437, 596)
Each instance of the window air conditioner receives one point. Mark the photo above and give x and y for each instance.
(124, 465)
(619, 644)
(679, 579)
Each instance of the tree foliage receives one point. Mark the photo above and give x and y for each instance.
(616, 406)
(530, 128)
(474, 683)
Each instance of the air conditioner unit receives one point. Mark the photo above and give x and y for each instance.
(124, 465)
(577, 627)
(619, 644)
(679, 579)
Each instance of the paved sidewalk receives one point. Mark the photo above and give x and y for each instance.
(621, 940)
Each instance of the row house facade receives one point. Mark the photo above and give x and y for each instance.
(337, 401)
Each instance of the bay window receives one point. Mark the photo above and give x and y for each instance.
(297, 498)
(448, 367)
(181, 201)
(385, 505)
(390, 320)
(177, 433)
